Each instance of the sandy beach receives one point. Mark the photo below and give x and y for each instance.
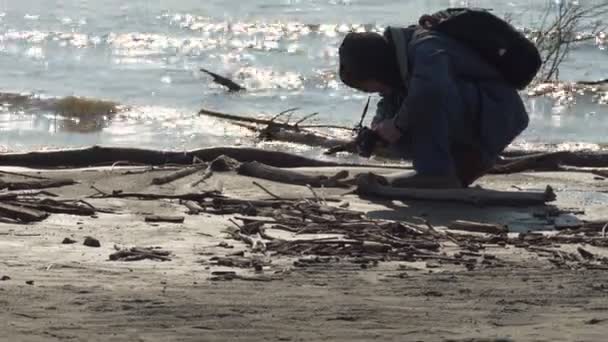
(72, 292)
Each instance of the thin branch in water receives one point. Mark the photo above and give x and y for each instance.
(290, 110)
(306, 118)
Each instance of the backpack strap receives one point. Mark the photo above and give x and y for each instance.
(401, 39)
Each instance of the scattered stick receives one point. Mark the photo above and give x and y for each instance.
(177, 175)
(267, 191)
(139, 253)
(51, 206)
(193, 207)
(259, 170)
(9, 195)
(25, 175)
(36, 184)
(100, 192)
(478, 227)
(208, 173)
(162, 218)
(314, 193)
(585, 253)
(286, 111)
(149, 196)
(307, 117)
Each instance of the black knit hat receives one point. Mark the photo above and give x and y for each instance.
(367, 56)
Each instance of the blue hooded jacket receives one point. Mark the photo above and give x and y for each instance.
(452, 98)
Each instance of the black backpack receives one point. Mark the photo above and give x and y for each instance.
(497, 41)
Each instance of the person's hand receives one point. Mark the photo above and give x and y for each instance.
(387, 130)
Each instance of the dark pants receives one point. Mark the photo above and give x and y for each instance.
(468, 164)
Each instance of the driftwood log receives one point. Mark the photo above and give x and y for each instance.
(21, 214)
(98, 155)
(369, 185)
(259, 170)
(51, 206)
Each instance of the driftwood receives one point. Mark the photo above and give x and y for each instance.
(537, 162)
(149, 196)
(21, 214)
(551, 161)
(221, 80)
(9, 195)
(299, 137)
(259, 170)
(97, 155)
(139, 253)
(266, 122)
(598, 82)
(35, 184)
(52, 206)
(193, 207)
(162, 218)
(478, 227)
(178, 174)
(369, 185)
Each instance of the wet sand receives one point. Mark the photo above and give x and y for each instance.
(78, 294)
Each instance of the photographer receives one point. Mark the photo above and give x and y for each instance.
(443, 106)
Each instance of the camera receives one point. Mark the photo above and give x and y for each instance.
(366, 141)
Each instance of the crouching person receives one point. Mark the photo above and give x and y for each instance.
(442, 105)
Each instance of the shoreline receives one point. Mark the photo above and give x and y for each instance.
(512, 292)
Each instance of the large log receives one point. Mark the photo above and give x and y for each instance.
(22, 214)
(99, 155)
(259, 170)
(369, 185)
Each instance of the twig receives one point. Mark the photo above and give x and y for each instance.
(234, 223)
(103, 193)
(266, 190)
(208, 173)
(178, 174)
(290, 110)
(327, 126)
(317, 198)
(87, 204)
(305, 118)
(22, 175)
